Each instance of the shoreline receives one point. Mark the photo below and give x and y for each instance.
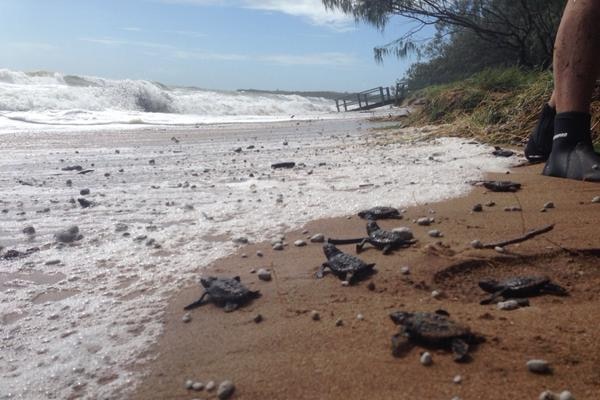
(288, 355)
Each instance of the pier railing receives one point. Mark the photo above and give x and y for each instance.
(372, 98)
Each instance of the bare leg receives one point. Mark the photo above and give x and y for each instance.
(576, 66)
(576, 60)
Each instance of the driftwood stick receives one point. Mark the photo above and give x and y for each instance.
(520, 239)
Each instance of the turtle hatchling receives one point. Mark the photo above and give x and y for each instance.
(502, 186)
(433, 329)
(345, 266)
(380, 213)
(228, 293)
(519, 286)
(379, 238)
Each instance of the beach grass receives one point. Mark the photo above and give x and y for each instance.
(497, 106)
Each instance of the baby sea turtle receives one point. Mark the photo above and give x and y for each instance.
(380, 213)
(502, 186)
(344, 266)
(519, 286)
(434, 329)
(224, 292)
(379, 238)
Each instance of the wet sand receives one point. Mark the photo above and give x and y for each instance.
(290, 356)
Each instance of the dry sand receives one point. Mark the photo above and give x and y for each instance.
(290, 356)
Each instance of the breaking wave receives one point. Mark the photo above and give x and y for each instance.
(54, 99)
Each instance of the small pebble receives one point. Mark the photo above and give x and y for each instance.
(596, 199)
(258, 318)
(539, 366)
(317, 238)
(241, 240)
(299, 243)
(186, 317)
(424, 221)
(456, 398)
(315, 316)
(476, 244)
(210, 386)
(548, 395)
(197, 386)
(490, 204)
(278, 246)
(225, 390)
(437, 294)
(508, 305)
(360, 317)
(259, 253)
(435, 233)
(29, 230)
(404, 233)
(457, 379)
(345, 283)
(68, 235)
(188, 384)
(566, 395)
(500, 249)
(339, 322)
(84, 192)
(426, 359)
(477, 208)
(244, 255)
(371, 286)
(549, 205)
(405, 270)
(264, 274)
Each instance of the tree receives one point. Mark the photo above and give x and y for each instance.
(523, 28)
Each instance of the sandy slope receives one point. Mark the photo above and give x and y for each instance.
(290, 356)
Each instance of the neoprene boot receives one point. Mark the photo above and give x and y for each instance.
(572, 153)
(539, 145)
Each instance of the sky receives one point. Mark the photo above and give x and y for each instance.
(212, 44)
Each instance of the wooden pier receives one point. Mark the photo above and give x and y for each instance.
(372, 98)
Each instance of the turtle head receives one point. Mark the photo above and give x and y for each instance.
(330, 250)
(489, 285)
(400, 317)
(207, 282)
(372, 226)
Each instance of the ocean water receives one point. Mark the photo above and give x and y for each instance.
(54, 101)
(78, 320)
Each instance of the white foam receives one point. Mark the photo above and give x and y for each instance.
(89, 342)
(38, 101)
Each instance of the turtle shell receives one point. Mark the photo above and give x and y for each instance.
(340, 262)
(226, 290)
(429, 326)
(380, 213)
(383, 237)
(515, 284)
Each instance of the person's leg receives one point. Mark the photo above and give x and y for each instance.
(576, 66)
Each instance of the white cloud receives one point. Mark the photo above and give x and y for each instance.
(310, 59)
(107, 41)
(312, 11)
(32, 46)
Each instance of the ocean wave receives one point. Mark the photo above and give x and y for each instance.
(50, 91)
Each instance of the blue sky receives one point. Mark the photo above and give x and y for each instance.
(215, 44)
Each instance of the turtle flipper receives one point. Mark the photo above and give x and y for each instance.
(552, 288)
(460, 348)
(229, 307)
(494, 296)
(197, 303)
(360, 245)
(321, 272)
(387, 249)
(401, 344)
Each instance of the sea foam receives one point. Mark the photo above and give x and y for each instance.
(30, 101)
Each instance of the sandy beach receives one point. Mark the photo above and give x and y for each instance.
(101, 317)
(290, 356)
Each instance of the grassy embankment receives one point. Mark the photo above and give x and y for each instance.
(498, 106)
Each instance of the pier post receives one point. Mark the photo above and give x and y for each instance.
(387, 89)
(359, 102)
(337, 105)
(382, 96)
(345, 106)
(366, 100)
